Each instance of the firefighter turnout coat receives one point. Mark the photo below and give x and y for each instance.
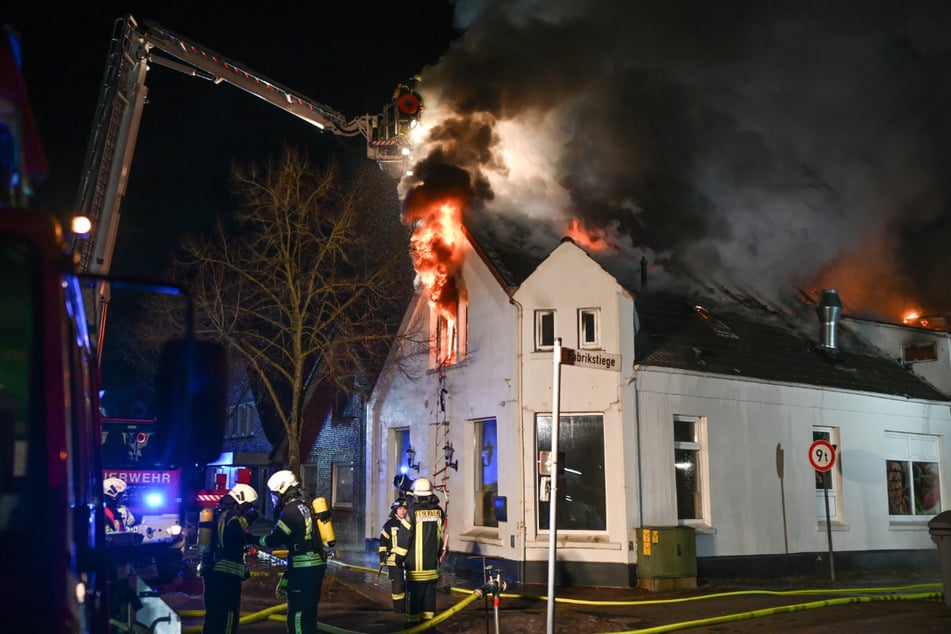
(419, 542)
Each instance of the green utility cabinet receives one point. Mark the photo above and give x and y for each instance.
(666, 558)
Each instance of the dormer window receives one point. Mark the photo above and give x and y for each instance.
(913, 353)
(589, 330)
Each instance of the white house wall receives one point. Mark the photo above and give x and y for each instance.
(746, 422)
(567, 281)
(483, 384)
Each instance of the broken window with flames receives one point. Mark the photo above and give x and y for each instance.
(449, 331)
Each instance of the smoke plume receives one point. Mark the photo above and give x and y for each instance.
(770, 145)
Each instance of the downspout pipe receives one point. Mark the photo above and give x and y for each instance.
(520, 527)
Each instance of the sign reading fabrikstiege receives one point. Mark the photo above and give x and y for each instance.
(591, 359)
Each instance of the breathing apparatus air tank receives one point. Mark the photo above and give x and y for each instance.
(206, 527)
(324, 523)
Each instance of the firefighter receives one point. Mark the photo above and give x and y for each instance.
(118, 516)
(418, 549)
(222, 563)
(296, 528)
(388, 541)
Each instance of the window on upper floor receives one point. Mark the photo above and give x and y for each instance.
(242, 420)
(589, 328)
(833, 476)
(544, 329)
(912, 474)
(690, 469)
(449, 333)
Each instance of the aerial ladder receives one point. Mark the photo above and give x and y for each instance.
(122, 97)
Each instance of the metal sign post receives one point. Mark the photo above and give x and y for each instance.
(553, 498)
(822, 459)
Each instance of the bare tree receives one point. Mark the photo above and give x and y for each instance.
(305, 281)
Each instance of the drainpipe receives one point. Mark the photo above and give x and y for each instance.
(520, 528)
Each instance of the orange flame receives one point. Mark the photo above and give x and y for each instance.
(437, 250)
(590, 238)
(869, 284)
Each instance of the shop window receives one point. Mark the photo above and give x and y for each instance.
(581, 502)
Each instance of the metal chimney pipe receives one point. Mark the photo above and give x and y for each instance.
(829, 310)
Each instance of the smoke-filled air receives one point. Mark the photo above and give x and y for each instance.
(764, 145)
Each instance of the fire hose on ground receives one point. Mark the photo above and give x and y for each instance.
(865, 595)
(495, 587)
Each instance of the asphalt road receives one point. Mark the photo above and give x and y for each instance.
(356, 599)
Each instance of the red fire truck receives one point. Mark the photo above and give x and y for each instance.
(57, 564)
(134, 451)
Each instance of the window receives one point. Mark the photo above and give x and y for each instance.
(833, 475)
(342, 477)
(544, 329)
(580, 486)
(399, 443)
(689, 468)
(588, 329)
(913, 353)
(912, 474)
(450, 327)
(241, 422)
(486, 472)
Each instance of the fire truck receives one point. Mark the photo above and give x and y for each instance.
(133, 451)
(59, 569)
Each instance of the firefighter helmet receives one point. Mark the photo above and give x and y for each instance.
(113, 487)
(422, 487)
(281, 482)
(400, 503)
(243, 493)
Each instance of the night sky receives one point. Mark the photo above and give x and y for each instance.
(764, 146)
(346, 55)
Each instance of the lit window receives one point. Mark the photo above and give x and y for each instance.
(588, 330)
(486, 472)
(544, 329)
(912, 474)
(450, 333)
(690, 474)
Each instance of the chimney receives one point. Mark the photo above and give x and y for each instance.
(829, 310)
(643, 272)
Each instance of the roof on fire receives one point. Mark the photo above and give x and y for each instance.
(730, 333)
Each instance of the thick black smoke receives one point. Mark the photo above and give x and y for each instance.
(757, 142)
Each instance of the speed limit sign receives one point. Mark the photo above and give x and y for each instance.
(821, 455)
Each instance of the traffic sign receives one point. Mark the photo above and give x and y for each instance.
(822, 455)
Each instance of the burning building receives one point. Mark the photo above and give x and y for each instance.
(720, 151)
(675, 415)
